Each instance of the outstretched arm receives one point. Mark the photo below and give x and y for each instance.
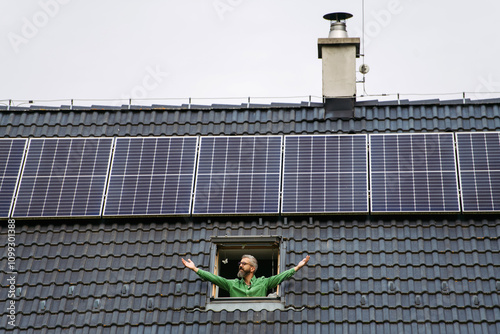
(273, 281)
(217, 280)
(302, 263)
(189, 264)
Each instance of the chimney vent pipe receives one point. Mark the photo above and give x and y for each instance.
(337, 26)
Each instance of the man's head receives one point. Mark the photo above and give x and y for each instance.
(247, 265)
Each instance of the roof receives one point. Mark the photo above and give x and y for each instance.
(405, 273)
(366, 275)
(370, 117)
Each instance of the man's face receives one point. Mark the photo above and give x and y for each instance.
(245, 268)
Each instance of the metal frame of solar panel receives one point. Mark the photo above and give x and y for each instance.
(11, 160)
(325, 174)
(152, 176)
(479, 170)
(414, 172)
(63, 177)
(238, 175)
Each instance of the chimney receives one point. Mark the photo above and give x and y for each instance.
(339, 53)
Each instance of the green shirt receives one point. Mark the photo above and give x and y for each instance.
(238, 288)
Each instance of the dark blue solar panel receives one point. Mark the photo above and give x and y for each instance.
(479, 166)
(238, 175)
(11, 158)
(413, 173)
(64, 178)
(151, 176)
(325, 174)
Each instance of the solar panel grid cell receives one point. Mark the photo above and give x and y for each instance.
(151, 176)
(63, 178)
(11, 158)
(238, 175)
(325, 174)
(413, 173)
(479, 166)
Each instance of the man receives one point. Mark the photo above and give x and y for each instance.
(246, 285)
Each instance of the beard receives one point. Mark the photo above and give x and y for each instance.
(242, 273)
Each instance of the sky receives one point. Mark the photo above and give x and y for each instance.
(223, 51)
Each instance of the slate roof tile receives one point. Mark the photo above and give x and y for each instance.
(370, 271)
(370, 117)
(403, 274)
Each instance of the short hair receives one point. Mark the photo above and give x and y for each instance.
(253, 260)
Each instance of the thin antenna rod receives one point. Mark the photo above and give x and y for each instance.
(363, 42)
(363, 25)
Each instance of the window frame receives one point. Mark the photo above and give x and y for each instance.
(216, 303)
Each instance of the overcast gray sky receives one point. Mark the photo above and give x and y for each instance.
(116, 49)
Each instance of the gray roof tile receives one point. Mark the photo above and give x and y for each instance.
(371, 116)
(372, 271)
(397, 274)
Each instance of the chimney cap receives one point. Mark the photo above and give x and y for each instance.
(338, 16)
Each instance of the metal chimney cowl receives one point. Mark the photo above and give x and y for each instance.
(338, 30)
(338, 53)
(337, 26)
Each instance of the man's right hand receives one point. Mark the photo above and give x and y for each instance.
(189, 264)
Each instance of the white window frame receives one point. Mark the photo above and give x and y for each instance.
(245, 245)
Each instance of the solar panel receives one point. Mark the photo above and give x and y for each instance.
(63, 177)
(151, 176)
(413, 173)
(479, 168)
(238, 175)
(11, 158)
(325, 174)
